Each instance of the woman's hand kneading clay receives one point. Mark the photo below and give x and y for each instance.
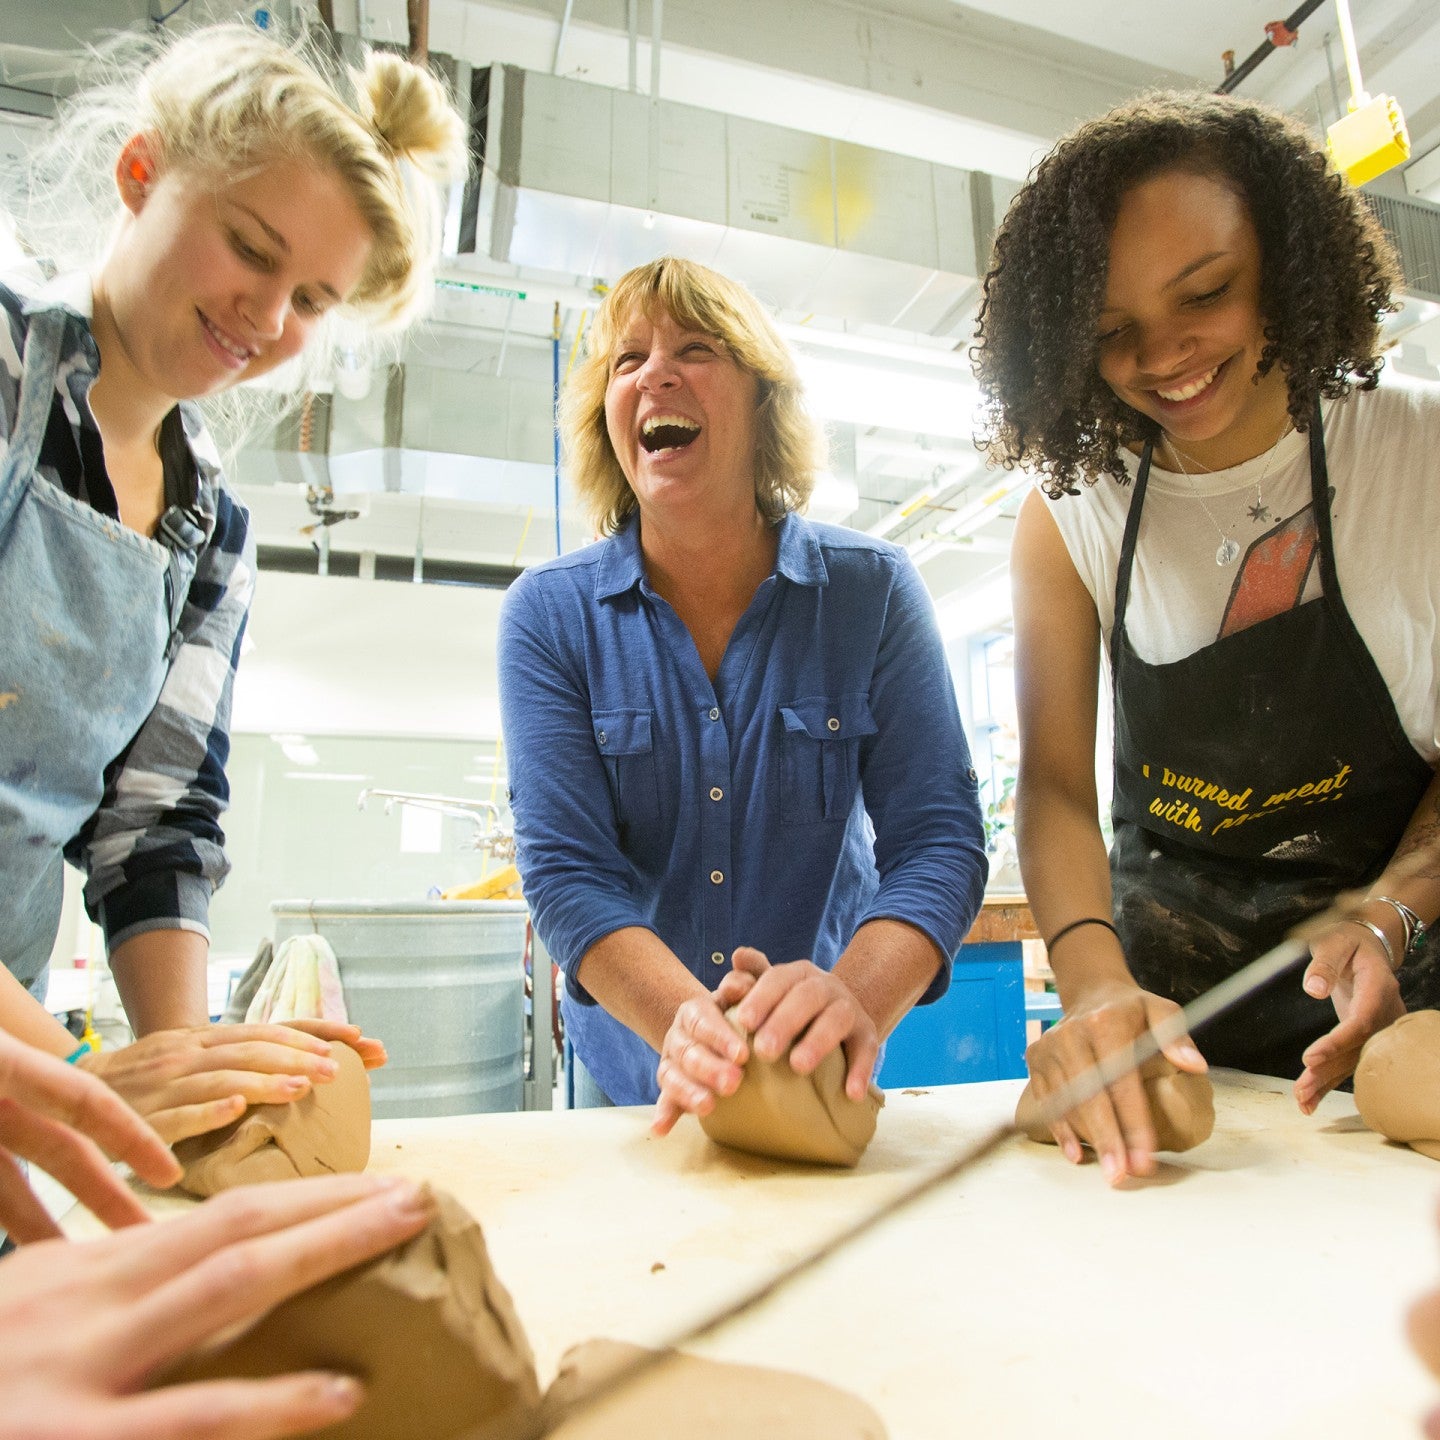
(85, 1325)
(66, 1123)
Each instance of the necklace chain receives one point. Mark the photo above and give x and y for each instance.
(1228, 550)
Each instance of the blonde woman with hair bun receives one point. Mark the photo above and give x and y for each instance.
(245, 199)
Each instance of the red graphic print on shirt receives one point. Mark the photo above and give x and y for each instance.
(1273, 575)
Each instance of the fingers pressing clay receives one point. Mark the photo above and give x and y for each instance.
(325, 1132)
(1182, 1107)
(427, 1327)
(786, 1116)
(686, 1396)
(1397, 1082)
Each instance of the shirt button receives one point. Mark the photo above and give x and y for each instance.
(601, 737)
(716, 878)
(717, 958)
(715, 714)
(717, 793)
(832, 723)
(971, 773)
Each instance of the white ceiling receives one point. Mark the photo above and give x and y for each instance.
(986, 86)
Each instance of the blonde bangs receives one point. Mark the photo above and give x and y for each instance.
(791, 450)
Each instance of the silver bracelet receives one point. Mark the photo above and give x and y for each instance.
(1415, 927)
(1379, 934)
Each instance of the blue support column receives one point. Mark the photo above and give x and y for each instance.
(975, 1031)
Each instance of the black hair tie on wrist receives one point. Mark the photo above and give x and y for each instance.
(1064, 930)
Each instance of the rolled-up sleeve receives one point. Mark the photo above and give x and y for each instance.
(919, 784)
(154, 851)
(578, 882)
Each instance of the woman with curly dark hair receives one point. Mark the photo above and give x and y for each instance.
(1180, 334)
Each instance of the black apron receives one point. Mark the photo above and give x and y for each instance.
(1254, 780)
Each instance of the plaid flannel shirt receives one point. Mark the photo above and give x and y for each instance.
(153, 853)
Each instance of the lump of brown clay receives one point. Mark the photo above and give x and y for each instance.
(1397, 1082)
(325, 1132)
(786, 1116)
(1182, 1107)
(428, 1327)
(684, 1396)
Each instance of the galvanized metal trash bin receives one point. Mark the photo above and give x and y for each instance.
(442, 983)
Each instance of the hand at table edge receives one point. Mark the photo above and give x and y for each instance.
(86, 1325)
(1117, 1121)
(1348, 966)
(66, 1122)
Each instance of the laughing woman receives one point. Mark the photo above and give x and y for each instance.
(707, 711)
(1181, 334)
(251, 201)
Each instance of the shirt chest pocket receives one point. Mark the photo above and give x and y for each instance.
(820, 756)
(626, 745)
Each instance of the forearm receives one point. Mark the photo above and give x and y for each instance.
(24, 1017)
(1066, 872)
(888, 966)
(639, 980)
(1413, 875)
(161, 978)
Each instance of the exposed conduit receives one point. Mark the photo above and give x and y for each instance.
(1246, 66)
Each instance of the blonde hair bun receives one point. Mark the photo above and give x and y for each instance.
(225, 98)
(409, 110)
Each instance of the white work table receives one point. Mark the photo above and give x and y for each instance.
(1254, 1288)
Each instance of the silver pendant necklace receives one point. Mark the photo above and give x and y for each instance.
(1228, 551)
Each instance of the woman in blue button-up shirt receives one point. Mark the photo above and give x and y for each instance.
(732, 732)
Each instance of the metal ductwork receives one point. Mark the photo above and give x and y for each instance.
(443, 464)
(1414, 229)
(582, 179)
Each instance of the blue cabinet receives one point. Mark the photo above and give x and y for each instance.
(975, 1031)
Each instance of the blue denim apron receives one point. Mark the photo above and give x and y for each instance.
(89, 617)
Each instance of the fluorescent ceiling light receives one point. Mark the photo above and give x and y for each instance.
(297, 749)
(931, 493)
(927, 404)
(323, 775)
(969, 518)
(940, 356)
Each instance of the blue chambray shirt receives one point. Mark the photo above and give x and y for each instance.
(822, 781)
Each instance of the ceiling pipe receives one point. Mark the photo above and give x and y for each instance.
(1288, 26)
(632, 18)
(968, 519)
(417, 12)
(656, 13)
(560, 37)
(930, 495)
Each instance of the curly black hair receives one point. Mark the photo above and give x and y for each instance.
(1327, 276)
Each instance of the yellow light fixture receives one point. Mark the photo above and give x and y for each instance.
(1372, 138)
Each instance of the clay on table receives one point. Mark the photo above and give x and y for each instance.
(683, 1396)
(1182, 1107)
(1397, 1082)
(325, 1132)
(427, 1326)
(785, 1116)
